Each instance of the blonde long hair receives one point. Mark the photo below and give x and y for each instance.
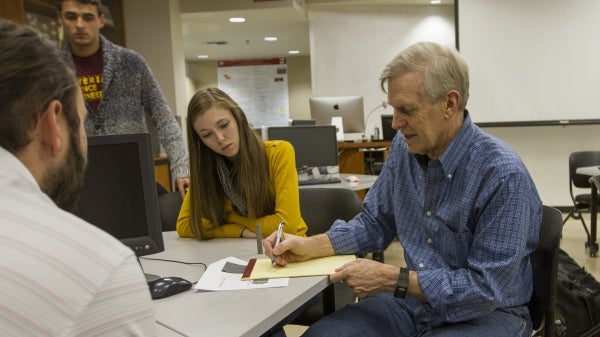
(250, 171)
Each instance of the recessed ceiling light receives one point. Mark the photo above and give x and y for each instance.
(294, 52)
(202, 56)
(435, 2)
(237, 19)
(270, 38)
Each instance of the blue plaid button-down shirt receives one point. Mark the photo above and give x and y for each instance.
(467, 222)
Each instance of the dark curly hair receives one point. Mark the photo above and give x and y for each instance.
(33, 73)
(97, 3)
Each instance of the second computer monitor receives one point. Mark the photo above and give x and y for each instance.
(298, 122)
(315, 146)
(350, 108)
(388, 132)
(119, 191)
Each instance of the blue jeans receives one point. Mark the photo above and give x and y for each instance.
(385, 315)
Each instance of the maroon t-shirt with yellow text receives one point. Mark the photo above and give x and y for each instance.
(89, 75)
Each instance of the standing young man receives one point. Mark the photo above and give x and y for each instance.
(117, 84)
(60, 276)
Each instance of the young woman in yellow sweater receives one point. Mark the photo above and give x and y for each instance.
(237, 180)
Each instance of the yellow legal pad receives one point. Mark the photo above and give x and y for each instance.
(263, 269)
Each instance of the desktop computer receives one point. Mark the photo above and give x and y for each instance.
(388, 132)
(316, 152)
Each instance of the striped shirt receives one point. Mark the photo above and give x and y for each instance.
(467, 222)
(60, 276)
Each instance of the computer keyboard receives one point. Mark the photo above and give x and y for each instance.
(319, 181)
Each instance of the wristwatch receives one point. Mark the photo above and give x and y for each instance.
(402, 285)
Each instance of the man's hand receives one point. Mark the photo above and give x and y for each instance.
(367, 277)
(289, 248)
(293, 248)
(182, 185)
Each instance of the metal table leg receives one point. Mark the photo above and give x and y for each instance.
(593, 244)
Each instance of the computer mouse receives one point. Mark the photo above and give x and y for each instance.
(352, 179)
(167, 286)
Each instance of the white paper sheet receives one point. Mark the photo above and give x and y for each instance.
(214, 279)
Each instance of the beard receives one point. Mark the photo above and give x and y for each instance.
(63, 183)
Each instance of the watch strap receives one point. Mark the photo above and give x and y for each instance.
(402, 285)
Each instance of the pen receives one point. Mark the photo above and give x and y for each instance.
(277, 239)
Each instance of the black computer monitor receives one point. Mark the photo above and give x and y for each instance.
(119, 191)
(350, 108)
(388, 132)
(315, 146)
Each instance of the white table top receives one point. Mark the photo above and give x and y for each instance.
(588, 170)
(364, 182)
(224, 313)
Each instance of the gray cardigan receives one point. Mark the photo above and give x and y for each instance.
(129, 91)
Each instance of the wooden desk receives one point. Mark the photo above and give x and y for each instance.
(352, 155)
(592, 244)
(162, 172)
(223, 313)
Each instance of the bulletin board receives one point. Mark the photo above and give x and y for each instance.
(260, 88)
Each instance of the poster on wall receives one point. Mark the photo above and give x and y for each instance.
(260, 87)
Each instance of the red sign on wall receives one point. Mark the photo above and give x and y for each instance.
(251, 62)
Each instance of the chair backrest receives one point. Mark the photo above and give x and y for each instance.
(320, 207)
(160, 189)
(169, 205)
(580, 159)
(596, 181)
(545, 264)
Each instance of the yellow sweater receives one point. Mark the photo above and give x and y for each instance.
(283, 184)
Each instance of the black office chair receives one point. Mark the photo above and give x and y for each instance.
(596, 181)
(320, 207)
(169, 205)
(160, 189)
(545, 264)
(581, 202)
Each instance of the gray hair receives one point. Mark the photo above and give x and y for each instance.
(443, 69)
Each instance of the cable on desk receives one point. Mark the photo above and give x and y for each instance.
(175, 261)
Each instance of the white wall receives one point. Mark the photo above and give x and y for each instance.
(535, 60)
(532, 60)
(299, 86)
(545, 151)
(153, 29)
(350, 46)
